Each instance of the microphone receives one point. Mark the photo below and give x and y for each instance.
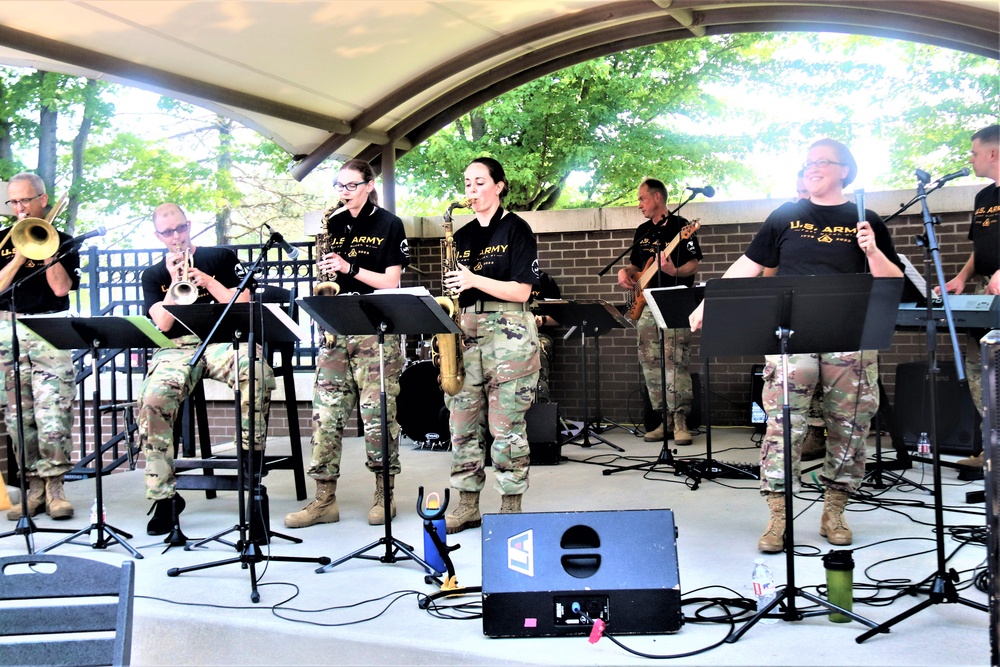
(964, 171)
(708, 191)
(77, 240)
(289, 249)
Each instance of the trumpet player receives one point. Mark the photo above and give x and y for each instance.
(210, 274)
(362, 249)
(497, 267)
(47, 375)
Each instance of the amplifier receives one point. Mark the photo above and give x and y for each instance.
(541, 569)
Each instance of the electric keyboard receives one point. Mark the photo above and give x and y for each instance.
(977, 311)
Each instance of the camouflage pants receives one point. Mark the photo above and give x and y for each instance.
(816, 408)
(47, 392)
(677, 344)
(973, 359)
(344, 372)
(170, 380)
(546, 350)
(849, 381)
(500, 352)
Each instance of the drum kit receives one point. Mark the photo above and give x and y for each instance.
(420, 409)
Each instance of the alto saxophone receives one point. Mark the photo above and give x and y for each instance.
(447, 353)
(326, 283)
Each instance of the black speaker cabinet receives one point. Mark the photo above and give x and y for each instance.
(990, 348)
(957, 418)
(542, 422)
(540, 570)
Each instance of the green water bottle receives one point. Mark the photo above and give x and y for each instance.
(839, 565)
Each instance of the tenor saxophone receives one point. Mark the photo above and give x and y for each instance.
(326, 283)
(447, 353)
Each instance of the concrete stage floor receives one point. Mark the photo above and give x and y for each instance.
(303, 618)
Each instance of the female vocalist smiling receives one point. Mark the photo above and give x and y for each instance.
(819, 235)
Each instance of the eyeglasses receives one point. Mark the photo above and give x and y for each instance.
(179, 229)
(350, 187)
(822, 164)
(21, 202)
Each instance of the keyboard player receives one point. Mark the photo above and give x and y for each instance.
(984, 261)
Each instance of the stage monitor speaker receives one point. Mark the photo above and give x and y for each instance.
(651, 419)
(542, 422)
(990, 348)
(957, 418)
(541, 569)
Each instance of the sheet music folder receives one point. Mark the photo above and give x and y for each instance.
(79, 333)
(200, 318)
(671, 306)
(829, 313)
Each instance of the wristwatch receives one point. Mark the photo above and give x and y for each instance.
(353, 271)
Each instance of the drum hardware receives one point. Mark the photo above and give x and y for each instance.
(420, 408)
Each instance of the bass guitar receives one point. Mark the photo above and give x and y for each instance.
(635, 299)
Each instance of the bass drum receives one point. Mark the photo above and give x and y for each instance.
(420, 408)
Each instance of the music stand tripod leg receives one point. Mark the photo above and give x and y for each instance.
(588, 432)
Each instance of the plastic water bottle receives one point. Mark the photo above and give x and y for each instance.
(923, 449)
(763, 588)
(431, 554)
(93, 520)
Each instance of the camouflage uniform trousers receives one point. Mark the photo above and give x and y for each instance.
(170, 380)
(973, 359)
(816, 408)
(677, 343)
(850, 400)
(546, 351)
(500, 352)
(47, 392)
(345, 371)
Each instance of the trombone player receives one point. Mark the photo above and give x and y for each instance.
(47, 375)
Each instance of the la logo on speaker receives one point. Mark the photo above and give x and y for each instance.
(521, 553)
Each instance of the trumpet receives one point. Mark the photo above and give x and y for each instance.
(184, 292)
(35, 238)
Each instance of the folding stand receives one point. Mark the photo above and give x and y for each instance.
(671, 307)
(217, 323)
(749, 316)
(943, 585)
(410, 312)
(593, 318)
(94, 334)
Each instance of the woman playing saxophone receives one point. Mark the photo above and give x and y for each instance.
(497, 267)
(366, 250)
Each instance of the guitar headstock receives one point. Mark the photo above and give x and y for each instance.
(690, 228)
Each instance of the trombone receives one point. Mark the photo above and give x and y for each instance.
(34, 238)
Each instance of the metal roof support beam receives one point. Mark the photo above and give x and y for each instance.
(389, 177)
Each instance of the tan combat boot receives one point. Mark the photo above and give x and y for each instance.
(510, 504)
(56, 504)
(36, 500)
(773, 539)
(833, 526)
(659, 433)
(971, 461)
(322, 510)
(376, 515)
(814, 444)
(682, 436)
(465, 515)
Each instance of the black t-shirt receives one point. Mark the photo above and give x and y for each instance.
(375, 240)
(985, 231)
(505, 249)
(802, 239)
(220, 263)
(34, 296)
(686, 250)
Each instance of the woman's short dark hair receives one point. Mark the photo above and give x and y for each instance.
(496, 172)
(844, 157)
(366, 172)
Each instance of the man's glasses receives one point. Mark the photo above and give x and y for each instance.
(822, 164)
(179, 229)
(350, 187)
(21, 202)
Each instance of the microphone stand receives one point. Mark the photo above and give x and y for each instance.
(943, 581)
(25, 525)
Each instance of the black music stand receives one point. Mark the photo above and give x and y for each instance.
(410, 312)
(749, 316)
(224, 323)
(593, 317)
(95, 334)
(671, 307)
